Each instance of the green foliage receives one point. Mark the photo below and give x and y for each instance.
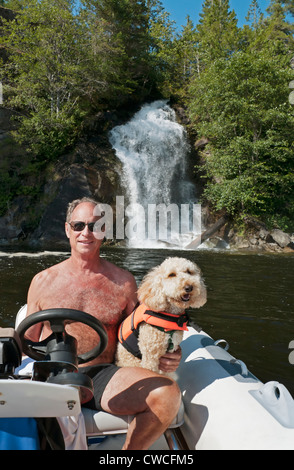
(186, 59)
(242, 106)
(289, 6)
(196, 47)
(162, 50)
(118, 50)
(236, 92)
(42, 78)
(218, 34)
(64, 63)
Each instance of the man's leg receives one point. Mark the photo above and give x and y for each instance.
(154, 400)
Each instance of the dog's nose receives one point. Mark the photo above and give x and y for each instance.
(188, 288)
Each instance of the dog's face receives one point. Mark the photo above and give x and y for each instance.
(173, 286)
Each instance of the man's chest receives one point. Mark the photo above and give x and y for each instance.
(103, 299)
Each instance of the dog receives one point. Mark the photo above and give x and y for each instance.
(157, 325)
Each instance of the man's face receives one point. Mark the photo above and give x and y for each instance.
(84, 241)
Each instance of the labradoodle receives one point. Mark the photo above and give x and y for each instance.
(164, 294)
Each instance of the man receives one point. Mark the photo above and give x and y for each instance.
(87, 282)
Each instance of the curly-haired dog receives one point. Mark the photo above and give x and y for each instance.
(157, 324)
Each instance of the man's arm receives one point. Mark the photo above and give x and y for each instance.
(33, 306)
(131, 287)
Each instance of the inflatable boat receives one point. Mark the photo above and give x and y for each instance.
(224, 406)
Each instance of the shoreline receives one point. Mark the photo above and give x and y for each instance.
(218, 246)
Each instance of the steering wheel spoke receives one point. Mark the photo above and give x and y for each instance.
(38, 348)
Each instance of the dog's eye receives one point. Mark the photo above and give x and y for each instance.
(172, 275)
(189, 272)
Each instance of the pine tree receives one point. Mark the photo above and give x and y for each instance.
(186, 57)
(252, 32)
(121, 39)
(278, 32)
(289, 6)
(162, 49)
(218, 34)
(254, 15)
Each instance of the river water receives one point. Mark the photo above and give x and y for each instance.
(250, 299)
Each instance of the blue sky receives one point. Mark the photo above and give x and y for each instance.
(179, 9)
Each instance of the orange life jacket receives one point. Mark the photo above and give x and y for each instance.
(129, 329)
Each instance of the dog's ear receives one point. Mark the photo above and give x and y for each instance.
(150, 291)
(201, 299)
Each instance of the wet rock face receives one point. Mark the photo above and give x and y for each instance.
(43, 224)
(79, 181)
(51, 226)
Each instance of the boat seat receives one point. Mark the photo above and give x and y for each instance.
(99, 423)
(95, 423)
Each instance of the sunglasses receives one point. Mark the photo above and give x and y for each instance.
(79, 226)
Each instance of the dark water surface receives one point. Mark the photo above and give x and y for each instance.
(250, 299)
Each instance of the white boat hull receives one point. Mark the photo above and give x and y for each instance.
(223, 409)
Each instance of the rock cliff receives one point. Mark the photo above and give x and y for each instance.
(90, 169)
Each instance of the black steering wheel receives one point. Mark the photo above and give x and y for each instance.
(57, 317)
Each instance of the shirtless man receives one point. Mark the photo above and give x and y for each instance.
(89, 283)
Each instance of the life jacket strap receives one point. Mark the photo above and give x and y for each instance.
(170, 334)
(179, 320)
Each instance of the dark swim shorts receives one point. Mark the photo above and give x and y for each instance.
(100, 375)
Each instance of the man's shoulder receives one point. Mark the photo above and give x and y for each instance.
(117, 273)
(47, 274)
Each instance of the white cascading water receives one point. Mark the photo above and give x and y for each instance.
(153, 149)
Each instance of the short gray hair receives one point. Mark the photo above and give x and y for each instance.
(72, 205)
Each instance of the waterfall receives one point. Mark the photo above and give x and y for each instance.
(153, 149)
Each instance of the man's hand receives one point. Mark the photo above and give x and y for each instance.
(169, 362)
